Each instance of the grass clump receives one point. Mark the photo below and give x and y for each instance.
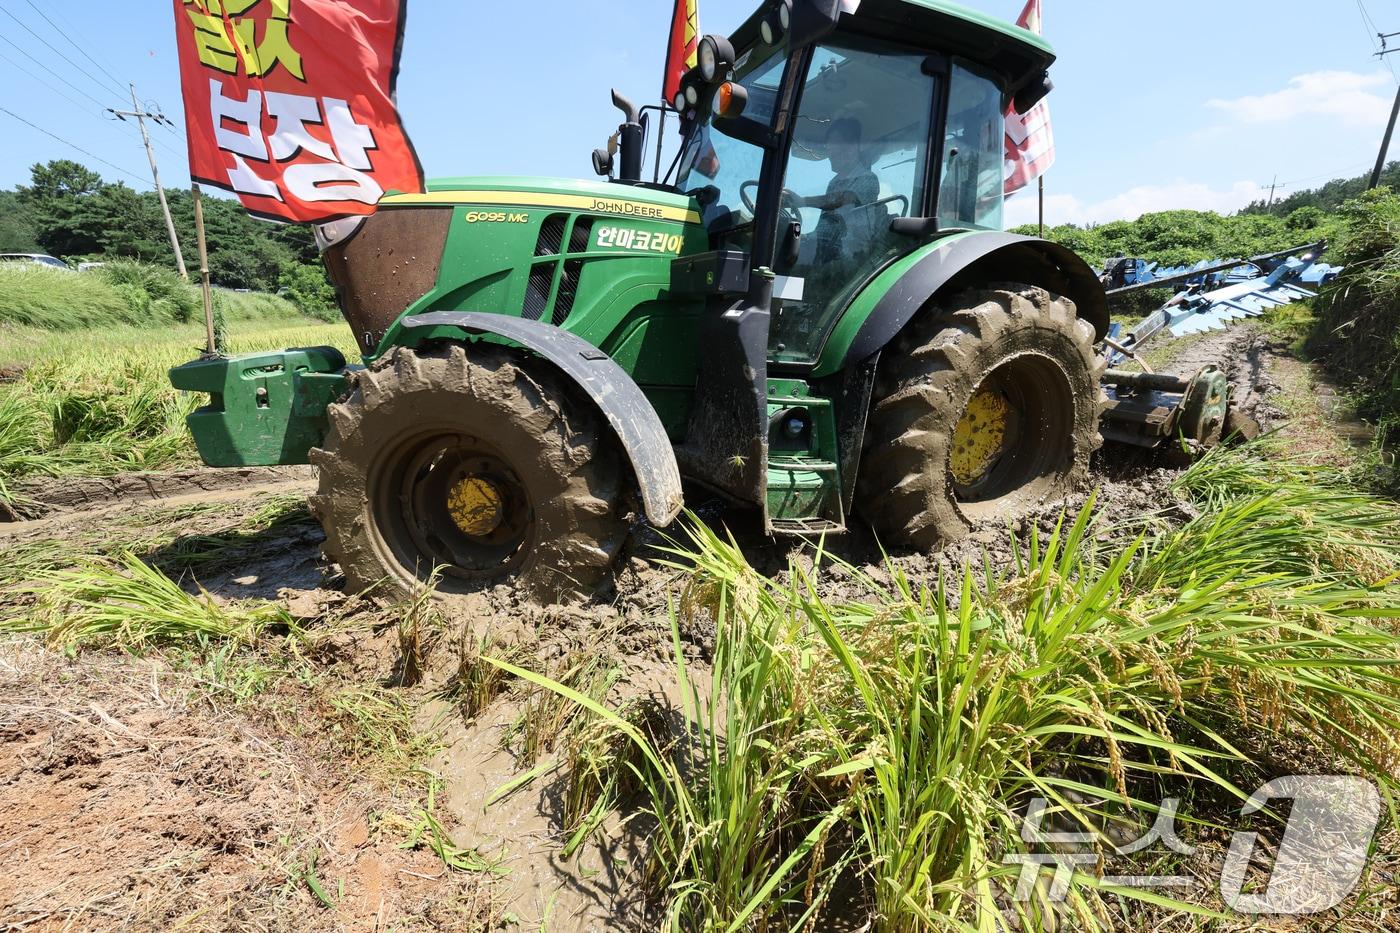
(127, 603)
(119, 292)
(887, 745)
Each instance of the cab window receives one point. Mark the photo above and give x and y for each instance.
(723, 171)
(859, 160)
(972, 177)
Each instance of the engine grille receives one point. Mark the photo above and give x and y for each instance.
(556, 229)
(551, 235)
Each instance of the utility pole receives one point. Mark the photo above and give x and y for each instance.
(141, 115)
(1272, 188)
(1394, 113)
(1385, 142)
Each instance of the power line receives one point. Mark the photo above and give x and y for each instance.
(60, 77)
(24, 70)
(81, 106)
(1372, 30)
(58, 11)
(50, 47)
(75, 45)
(72, 145)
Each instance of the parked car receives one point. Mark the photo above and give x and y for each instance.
(38, 259)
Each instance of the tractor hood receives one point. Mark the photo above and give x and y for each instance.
(518, 246)
(567, 194)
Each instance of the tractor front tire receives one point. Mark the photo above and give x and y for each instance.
(985, 407)
(482, 466)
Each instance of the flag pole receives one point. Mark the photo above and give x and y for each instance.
(210, 348)
(1042, 207)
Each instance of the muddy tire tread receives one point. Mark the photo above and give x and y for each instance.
(581, 530)
(923, 382)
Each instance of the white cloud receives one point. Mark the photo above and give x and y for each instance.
(1343, 95)
(1349, 104)
(1133, 203)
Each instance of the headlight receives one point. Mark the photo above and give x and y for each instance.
(706, 57)
(715, 57)
(692, 95)
(776, 24)
(336, 231)
(679, 102)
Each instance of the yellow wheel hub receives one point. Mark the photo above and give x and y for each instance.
(476, 506)
(980, 437)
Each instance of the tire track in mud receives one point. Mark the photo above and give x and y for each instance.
(52, 502)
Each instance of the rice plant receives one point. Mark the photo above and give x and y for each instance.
(477, 683)
(888, 745)
(127, 603)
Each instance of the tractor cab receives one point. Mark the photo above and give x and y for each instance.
(868, 144)
(823, 147)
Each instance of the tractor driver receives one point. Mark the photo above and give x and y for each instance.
(854, 185)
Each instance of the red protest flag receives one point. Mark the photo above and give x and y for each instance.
(681, 46)
(290, 103)
(1030, 140)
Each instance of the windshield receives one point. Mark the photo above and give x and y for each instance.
(725, 170)
(974, 153)
(859, 159)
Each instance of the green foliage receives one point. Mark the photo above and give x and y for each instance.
(17, 228)
(120, 292)
(1357, 335)
(69, 211)
(154, 293)
(1181, 237)
(892, 737)
(308, 288)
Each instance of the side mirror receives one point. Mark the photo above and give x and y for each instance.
(1033, 93)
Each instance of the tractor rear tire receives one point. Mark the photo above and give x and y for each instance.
(985, 407)
(482, 464)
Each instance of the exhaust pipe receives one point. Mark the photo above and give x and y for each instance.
(630, 140)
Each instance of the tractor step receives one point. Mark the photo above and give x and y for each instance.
(806, 527)
(804, 496)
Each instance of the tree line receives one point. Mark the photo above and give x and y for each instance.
(69, 211)
(1184, 236)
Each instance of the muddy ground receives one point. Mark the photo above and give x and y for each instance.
(225, 790)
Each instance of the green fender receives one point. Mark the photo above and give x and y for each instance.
(900, 290)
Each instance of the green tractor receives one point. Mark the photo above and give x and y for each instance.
(814, 313)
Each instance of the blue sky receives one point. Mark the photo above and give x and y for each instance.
(1157, 105)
